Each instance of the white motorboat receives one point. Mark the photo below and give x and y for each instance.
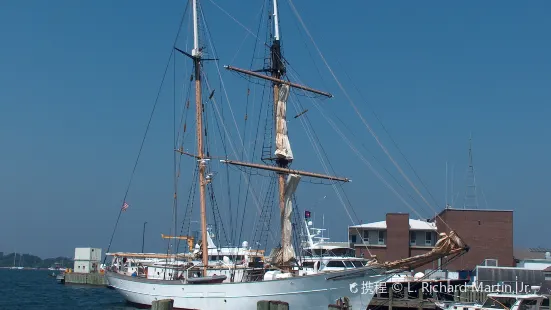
(504, 301)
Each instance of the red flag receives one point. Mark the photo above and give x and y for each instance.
(124, 206)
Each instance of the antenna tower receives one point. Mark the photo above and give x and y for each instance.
(471, 199)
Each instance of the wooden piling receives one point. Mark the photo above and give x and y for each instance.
(162, 304)
(390, 299)
(456, 295)
(419, 298)
(272, 305)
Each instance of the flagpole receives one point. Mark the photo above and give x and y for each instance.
(143, 235)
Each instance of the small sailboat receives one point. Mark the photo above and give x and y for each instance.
(14, 257)
(14, 260)
(20, 265)
(198, 285)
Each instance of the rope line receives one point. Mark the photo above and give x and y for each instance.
(391, 138)
(356, 110)
(146, 130)
(232, 146)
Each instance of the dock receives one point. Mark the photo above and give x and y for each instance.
(413, 294)
(97, 279)
(86, 269)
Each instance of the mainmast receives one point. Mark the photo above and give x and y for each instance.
(284, 156)
(277, 66)
(196, 55)
(276, 22)
(287, 179)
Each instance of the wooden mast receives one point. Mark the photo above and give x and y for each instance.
(283, 151)
(196, 54)
(278, 71)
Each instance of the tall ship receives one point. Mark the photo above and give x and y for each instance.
(201, 278)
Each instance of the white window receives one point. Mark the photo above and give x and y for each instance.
(412, 238)
(381, 237)
(366, 236)
(428, 238)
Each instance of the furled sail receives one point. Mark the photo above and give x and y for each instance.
(447, 245)
(283, 147)
(286, 253)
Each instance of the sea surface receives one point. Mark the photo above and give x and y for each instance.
(37, 289)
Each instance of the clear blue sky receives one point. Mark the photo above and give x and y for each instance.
(78, 80)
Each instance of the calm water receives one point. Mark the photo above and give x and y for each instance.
(35, 289)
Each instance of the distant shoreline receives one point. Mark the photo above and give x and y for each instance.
(28, 268)
(29, 261)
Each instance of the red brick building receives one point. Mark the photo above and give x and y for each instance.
(489, 233)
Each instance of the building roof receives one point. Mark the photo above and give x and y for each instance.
(478, 210)
(449, 208)
(524, 254)
(413, 225)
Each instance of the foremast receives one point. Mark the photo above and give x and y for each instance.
(196, 55)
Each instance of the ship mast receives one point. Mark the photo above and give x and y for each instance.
(196, 55)
(287, 178)
(278, 70)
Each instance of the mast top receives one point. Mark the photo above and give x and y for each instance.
(276, 22)
(196, 51)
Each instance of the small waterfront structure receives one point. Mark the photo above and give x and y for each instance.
(86, 268)
(87, 260)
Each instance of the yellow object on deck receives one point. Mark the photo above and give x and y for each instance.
(190, 240)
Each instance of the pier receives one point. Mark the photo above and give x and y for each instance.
(85, 278)
(86, 269)
(412, 294)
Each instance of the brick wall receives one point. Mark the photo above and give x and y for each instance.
(397, 235)
(488, 233)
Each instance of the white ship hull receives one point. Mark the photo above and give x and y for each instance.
(306, 292)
